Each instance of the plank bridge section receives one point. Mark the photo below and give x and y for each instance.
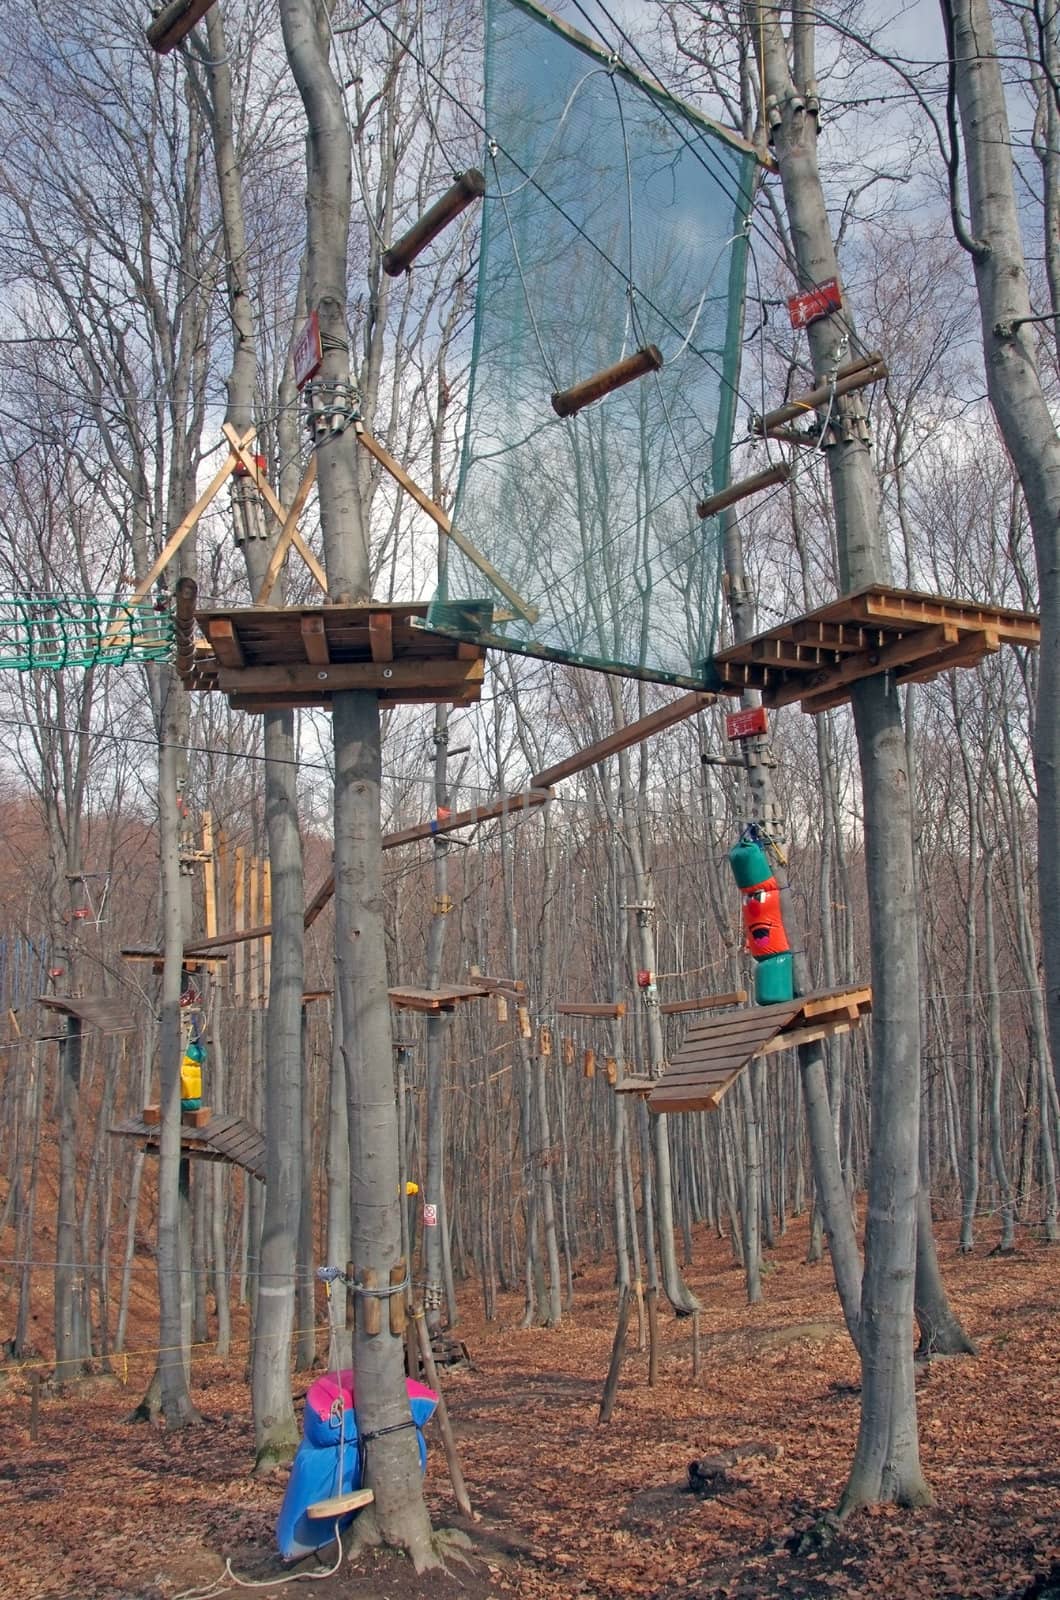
(816, 658)
(267, 658)
(715, 1053)
(223, 1138)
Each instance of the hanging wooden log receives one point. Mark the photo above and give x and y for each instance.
(589, 1064)
(470, 186)
(174, 22)
(780, 473)
(526, 1029)
(568, 1050)
(544, 1042)
(611, 1068)
(568, 402)
(855, 375)
(185, 593)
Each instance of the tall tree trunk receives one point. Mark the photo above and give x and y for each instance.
(391, 1453)
(887, 1459)
(1020, 405)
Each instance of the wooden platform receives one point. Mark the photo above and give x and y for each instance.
(815, 658)
(445, 998)
(266, 658)
(100, 1011)
(223, 1138)
(714, 1053)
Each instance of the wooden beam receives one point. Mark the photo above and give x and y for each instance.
(427, 673)
(184, 527)
(314, 640)
(854, 375)
(909, 647)
(706, 1002)
(968, 652)
(441, 520)
(591, 1008)
(174, 22)
(381, 636)
(222, 635)
(265, 489)
(622, 738)
(287, 532)
(209, 878)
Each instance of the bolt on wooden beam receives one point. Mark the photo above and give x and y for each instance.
(568, 402)
(470, 186)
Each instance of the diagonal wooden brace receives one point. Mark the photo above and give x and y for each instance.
(265, 489)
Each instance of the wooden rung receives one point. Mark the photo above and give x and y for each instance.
(340, 1504)
(470, 186)
(780, 473)
(855, 375)
(567, 402)
(705, 1002)
(588, 1008)
(174, 22)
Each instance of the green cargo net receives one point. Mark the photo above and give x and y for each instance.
(81, 631)
(614, 219)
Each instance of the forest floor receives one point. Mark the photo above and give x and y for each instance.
(97, 1509)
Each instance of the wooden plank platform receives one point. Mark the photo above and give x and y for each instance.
(445, 998)
(224, 1138)
(706, 1002)
(271, 657)
(100, 1011)
(714, 1053)
(815, 658)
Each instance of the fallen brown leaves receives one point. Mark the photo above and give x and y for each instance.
(98, 1510)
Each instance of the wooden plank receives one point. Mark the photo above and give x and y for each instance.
(339, 1505)
(381, 636)
(906, 606)
(591, 1008)
(972, 648)
(908, 647)
(641, 1086)
(705, 1002)
(446, 995)
(314, 640)
(287, 532)
(655, 722)
(221, 632)
(184, 527)
(209, 877)
(839, 637)
(442, 521)
(429, 673)
(820, 1001)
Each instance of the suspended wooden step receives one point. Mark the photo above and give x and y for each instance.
(856, 374)
(636, 1083)
(591, 1008)
(268, 658)
(704, 1002)
(714, 1053)
(223, 1138)
(568, 402)
(100, 1011)
(470, 186)
(445, 998)
(814, 659)
(340, 1505)
(190, 962)
(780, 473)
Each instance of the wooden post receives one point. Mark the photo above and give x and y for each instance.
(652, 1298)
(452, 1458)
(239, 922)
(371, 1310)
(397, 1301)
(209, 877)
(607, 1400)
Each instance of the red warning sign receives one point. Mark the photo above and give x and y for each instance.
(815, 303)
(745, 724)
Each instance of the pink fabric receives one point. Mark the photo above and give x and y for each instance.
(323, 1392)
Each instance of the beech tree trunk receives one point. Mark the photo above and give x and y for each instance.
(887, 1459)
(391, 1454)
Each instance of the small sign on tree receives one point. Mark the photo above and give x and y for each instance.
(306, 352)
(745, 724)
(815, 303)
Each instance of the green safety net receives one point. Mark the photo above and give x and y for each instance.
(615, 218)
(81, 631)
